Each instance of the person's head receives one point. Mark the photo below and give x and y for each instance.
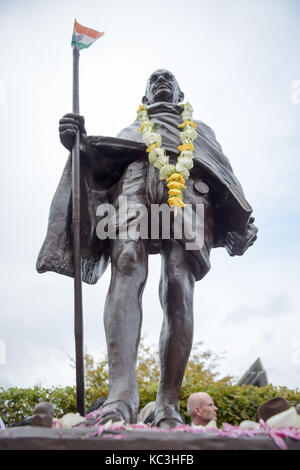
(162, 86)
(201, 408)
(272, 407)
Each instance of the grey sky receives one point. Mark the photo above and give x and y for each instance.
(236, 62)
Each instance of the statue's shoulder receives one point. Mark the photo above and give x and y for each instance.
(204, 128)
(130, 132)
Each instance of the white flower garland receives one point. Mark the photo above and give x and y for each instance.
(175, 175)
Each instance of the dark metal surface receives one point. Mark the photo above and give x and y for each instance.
(78, 316)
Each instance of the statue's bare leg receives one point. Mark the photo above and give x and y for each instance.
(176, 297)
(122, 321)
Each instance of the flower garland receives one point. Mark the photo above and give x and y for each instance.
(175, 175)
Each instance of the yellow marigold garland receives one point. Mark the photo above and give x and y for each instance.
(152, 147)
(175, 175)
(186, 146)
(187, 122)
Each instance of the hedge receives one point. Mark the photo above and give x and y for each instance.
(234, 403)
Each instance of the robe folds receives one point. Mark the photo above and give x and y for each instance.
(114, 164)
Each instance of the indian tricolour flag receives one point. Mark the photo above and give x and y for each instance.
(83, 37)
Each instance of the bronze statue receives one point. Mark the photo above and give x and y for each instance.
(113, 167)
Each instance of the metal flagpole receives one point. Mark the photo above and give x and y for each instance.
(78, 319)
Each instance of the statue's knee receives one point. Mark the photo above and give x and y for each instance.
(129, 258)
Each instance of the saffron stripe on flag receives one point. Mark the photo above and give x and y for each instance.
(92, 33)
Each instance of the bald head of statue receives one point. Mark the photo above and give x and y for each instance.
(162, 86)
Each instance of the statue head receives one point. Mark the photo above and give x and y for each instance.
(162, 86)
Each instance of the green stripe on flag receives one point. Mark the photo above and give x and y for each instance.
(80, 45)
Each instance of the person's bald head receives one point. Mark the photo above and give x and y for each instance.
(201, 408)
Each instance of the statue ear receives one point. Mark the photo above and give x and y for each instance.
(145, 100)
(180, 97)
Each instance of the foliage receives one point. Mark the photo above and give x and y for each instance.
(17, 404)
(234, 403)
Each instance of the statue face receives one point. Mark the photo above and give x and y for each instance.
(162, 86)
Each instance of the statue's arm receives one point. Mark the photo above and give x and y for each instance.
(237, 243)
(108, 163)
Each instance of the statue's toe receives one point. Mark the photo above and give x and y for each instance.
(167, 418)
(117, 411)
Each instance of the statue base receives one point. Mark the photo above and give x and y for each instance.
(85, 438)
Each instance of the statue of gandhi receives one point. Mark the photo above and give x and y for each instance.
(114, 167)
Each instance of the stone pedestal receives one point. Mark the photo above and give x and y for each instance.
(39, 438)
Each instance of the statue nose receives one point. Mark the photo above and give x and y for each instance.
(162, 80)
